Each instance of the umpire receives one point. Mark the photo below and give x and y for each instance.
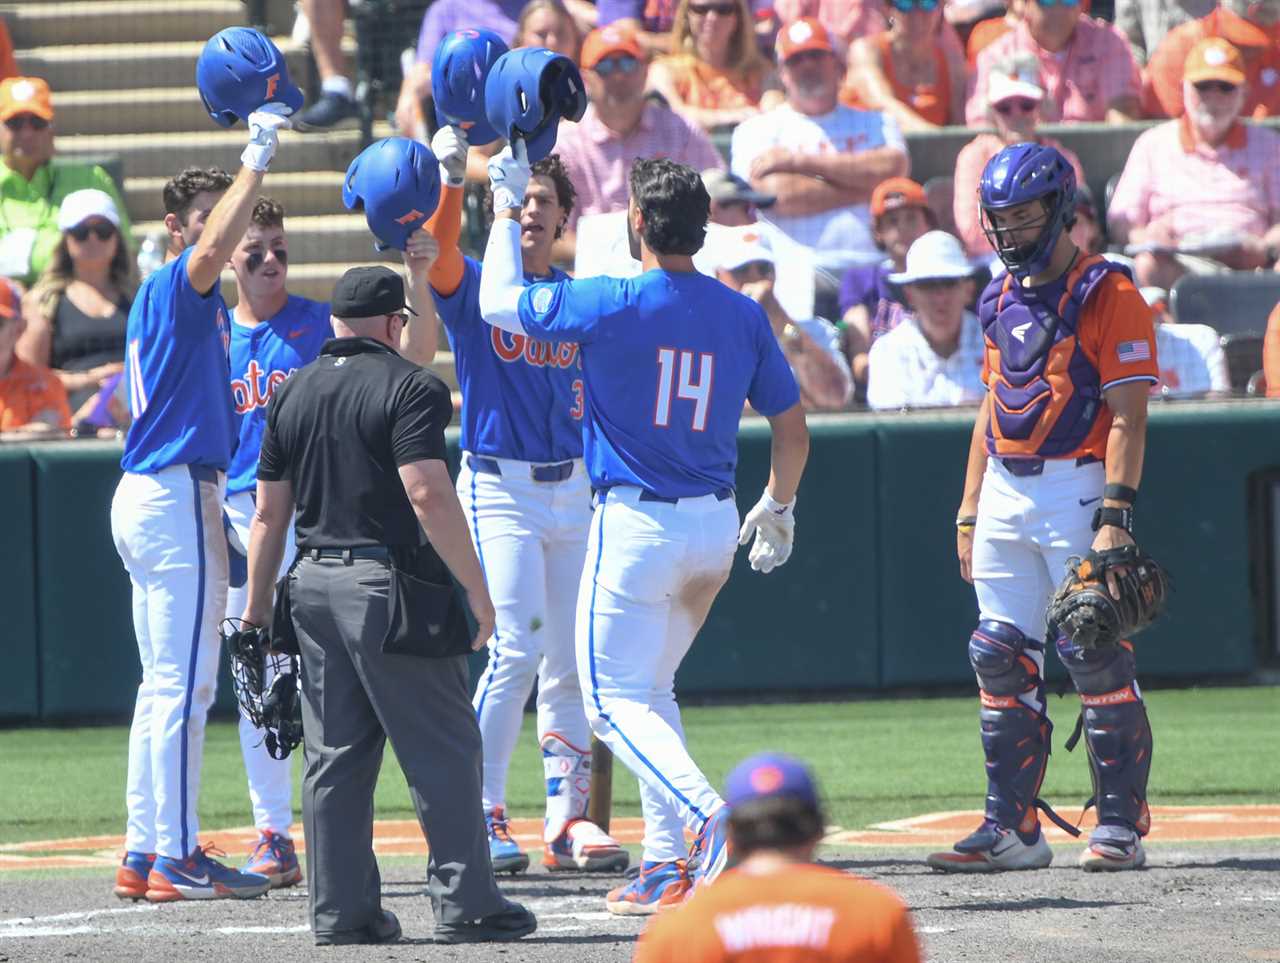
(354, 442)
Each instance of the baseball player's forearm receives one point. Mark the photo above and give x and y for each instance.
(502, 275)
(1127, 440)
(227, 223)
(977, 464)
(821, 378)
(419, 340)
(800, 194)
(272, 513)
(788, 452)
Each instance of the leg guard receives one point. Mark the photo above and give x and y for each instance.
(1116, 731)
(1015, 729)
(568, 773)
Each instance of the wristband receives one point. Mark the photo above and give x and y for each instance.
(1119, 517)
(1121, 493)
(966, 521)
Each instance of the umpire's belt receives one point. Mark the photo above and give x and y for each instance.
(539, 473)
(1022, 467)
(379, 552)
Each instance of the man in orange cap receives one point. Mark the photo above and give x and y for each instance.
(1201, 193)
(32, 184)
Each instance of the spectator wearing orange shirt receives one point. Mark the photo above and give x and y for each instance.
(1251, 26)
(8, 65)
(1146, 22)
(1086, 69)
(1271, 354)
(776, 904)
(32, 399)
(905, 72)
(716, 75)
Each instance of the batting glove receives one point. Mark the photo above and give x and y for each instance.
(265, 124)
(509, 176)
(450, 147)
(774, 525)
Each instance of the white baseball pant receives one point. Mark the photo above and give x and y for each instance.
(270, 780)
(531, 538)
(167, 528)
(652, 571)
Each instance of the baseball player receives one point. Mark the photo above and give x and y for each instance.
(1053, 471)
(166, 520)
(775, 905)
(525, 490)
(668, 360)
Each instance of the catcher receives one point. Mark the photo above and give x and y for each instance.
(1053, 472)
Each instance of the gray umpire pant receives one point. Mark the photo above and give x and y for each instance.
(354, 699)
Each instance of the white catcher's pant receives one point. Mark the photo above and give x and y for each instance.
(167, 528)
(531, 538)
(1027, 529)
(653, 569)
(270, 780)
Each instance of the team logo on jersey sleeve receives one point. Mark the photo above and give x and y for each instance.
(541, 300)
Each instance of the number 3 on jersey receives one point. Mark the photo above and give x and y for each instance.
(699, 392)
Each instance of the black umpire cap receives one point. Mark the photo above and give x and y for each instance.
(366, 292)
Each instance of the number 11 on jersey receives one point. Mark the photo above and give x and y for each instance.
(699, 392)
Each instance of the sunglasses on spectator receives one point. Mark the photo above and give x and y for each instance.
(1023, 105)
(936, 284)
(1214, 86)
(625, 64)
(702, 9)
(906, 6)
(102, 230)
(19, 121)
(1058, 3)
(752, 270)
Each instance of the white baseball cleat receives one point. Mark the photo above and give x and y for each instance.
(585, 846)
(1113, 849)
(993, 849)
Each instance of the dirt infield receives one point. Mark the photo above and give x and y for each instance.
(1211, 892)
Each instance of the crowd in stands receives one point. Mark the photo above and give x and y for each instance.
(798, 113)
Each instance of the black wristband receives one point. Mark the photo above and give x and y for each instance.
(1120, 517)
(1121, 493)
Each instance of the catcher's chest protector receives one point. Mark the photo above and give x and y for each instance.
(1046, 393)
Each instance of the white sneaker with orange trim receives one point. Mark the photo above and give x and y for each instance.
(1113, 849)
(992, 849)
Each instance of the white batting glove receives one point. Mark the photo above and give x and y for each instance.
(450, 147)
(265, 124)
(509, 176)
(774, 525)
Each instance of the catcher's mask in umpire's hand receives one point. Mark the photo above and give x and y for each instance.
(275, 707)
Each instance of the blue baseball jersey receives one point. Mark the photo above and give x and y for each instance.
(262, 357)
(176, 369)
(668, 360)
(521, 397)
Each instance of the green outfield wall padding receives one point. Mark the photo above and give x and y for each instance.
(19, 691)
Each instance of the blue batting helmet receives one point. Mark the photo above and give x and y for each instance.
(458, 73)
(238, 71)
(528, 92)
(1021, 173)
(396, 182)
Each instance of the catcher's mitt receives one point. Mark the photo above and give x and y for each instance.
(1082, 608)
(276, 706)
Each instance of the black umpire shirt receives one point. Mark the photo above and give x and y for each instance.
(340, 428)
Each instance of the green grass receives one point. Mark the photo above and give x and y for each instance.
(876, 760)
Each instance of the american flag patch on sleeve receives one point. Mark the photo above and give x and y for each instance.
(1129, 351)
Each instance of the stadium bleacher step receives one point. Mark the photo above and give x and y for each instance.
(302, 192)
(139, 21)
(160, 109)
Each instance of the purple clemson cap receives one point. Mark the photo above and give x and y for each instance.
(768, 775)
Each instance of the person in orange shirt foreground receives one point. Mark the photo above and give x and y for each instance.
(1053, 471)
(775, 905)
(32, 399)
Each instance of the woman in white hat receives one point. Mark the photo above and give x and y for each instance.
(77, 311)
(934, 357)
(1014, 94)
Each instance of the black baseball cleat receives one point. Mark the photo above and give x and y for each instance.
(507, 924)
(385, 929)
(328, 110)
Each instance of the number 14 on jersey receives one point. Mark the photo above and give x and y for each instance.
(685, 388)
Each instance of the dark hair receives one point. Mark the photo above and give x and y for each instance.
(267, 213)
(674, 203)
(775, 822)
(180, 192)
(551, 166)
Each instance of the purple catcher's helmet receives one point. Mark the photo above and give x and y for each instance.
(396, 182)
(528, 92)
(1021, 173)
(458, 73)
(238, 71)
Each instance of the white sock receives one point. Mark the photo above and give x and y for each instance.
(339, 85)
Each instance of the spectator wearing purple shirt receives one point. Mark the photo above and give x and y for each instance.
(445, 16)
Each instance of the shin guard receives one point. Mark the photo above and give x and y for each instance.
(568, 773)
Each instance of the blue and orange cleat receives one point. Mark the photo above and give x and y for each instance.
(200, 877)
(709, 853)
(656, 885)
(131, 875)
(504, 852)
(274, 858)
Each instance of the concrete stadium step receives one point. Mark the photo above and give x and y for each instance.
(134, 21)
(340, 238)
(304, 192)
(157, 155)
(157, 109)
